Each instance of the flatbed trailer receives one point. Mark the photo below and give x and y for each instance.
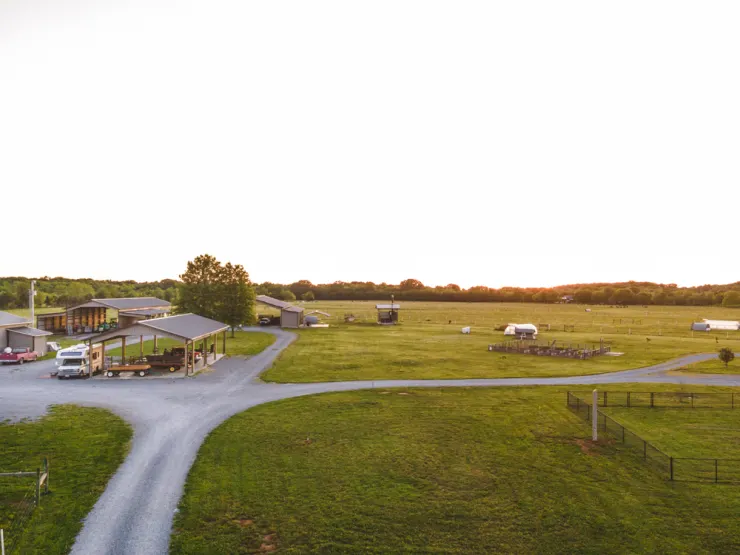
(138, 369)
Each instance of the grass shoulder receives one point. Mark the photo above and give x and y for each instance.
(436, 471)
(85, 446)
(713, 366)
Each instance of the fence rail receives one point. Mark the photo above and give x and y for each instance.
(680, 469)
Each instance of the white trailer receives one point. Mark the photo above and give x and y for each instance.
(723, 325)
(518, 330)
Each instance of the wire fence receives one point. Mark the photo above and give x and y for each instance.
(683, 469)
(20, 510)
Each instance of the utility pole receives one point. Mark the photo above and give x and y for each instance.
(31, 295)
(595, 416)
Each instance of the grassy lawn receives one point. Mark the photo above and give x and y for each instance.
(424, 350)
(684, 432)
(714, 366)
(503, 470)
(242, 344)
(85, 446)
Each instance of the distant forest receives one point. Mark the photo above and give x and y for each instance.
(65, 292)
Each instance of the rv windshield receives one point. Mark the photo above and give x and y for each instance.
(72, 362)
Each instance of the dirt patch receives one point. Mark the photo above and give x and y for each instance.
(268, 543)
(590, 447)
(404, 393)
(243, 522)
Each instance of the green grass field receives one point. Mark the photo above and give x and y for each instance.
(85, 446)
(425, 345)
(714, 366)
(684, 432)
(448, 471)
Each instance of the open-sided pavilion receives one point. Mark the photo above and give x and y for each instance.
(186, 328)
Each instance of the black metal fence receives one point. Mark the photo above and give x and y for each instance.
(666, 399)
(684, 469)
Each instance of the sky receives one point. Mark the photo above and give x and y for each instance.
(528, 143)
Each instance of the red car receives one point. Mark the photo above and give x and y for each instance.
(17, 356)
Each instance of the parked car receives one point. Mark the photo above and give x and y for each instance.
(264, 321)
(17, 356)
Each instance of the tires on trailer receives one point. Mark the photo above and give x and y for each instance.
(110, 374)
(172, 368)
(142, 373)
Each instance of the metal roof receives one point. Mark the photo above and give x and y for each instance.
(387, 306)
(130, 303)
(32, 332)
(50, 314)
(271, 301)
(8, 319)
(145, 312)
(292, 309)
(186, 326)
(318, 312)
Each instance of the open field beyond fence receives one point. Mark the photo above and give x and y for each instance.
(428, 342)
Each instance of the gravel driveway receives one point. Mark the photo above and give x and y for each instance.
(171, 418)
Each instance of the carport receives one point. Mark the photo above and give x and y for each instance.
(186, 328)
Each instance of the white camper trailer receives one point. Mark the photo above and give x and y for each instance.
(528, 331)
(74, 362)
(723, 325)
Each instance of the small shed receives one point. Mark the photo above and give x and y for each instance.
(700, 326)
(15, 332)
(290, 316)
(387, 313)
(31, 338)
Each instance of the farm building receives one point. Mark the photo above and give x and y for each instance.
(186, 328)
(724, 325)
(290, 316)
(16, 332)
(92, 316)
(387, 313)
(700, 326)
(528, 331)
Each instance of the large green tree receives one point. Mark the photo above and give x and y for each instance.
(237, 303)
(216, 291)
(201, 288)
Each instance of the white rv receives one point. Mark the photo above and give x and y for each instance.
(74, 362)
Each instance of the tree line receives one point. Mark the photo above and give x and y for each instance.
(61, 292)
(629, 293)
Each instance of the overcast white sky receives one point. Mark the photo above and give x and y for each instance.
(498, 143)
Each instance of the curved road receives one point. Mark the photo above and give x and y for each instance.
(172, 417)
